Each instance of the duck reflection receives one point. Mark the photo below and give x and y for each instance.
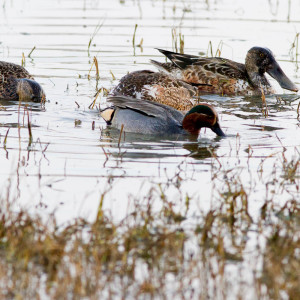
(251, 107)
(139, 146)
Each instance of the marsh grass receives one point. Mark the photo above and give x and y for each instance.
(29, 55)
(23, 61)
(97, 28)
(265, 110)
(177, 41)
(101, 91)
(29, 129)
(210, 51)
(5, 139)
(294, 50)
(140, 45)
(159, 250)
(95, 63)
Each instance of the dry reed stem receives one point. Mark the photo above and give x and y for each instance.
(265, 110)
(91, 106)
(29, 55)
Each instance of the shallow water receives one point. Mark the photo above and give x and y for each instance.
(67, 166)
(65, 148)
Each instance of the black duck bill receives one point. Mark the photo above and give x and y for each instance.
(276, 72)
(217, 129)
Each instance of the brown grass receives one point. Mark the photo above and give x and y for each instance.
(158, 250)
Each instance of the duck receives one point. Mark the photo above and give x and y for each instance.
(16, 83)
(147, 117)
(226, 77)
(158, 87)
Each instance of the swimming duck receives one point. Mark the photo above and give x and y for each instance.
(224, 76)
(147, 117)
(158, 87)
(17, 84)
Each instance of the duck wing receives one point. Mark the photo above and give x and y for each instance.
(8, 70)
(145, 107)
(167, 67)
(135, 84)
(222, 66)
(217, 65)
(8, 88)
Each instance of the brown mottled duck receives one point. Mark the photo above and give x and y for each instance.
(224, 76)
(17, 84)
(157, 87)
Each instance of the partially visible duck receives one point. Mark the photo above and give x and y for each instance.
(147, 117)
(157, 87)
(224, 76)
(17, 84)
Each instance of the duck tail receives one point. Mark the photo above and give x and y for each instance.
(178, 59)
(107, 114)
(167, 53)
(162, 67)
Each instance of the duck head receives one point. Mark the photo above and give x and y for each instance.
(30, 90)
(260, 60)
(199, 116)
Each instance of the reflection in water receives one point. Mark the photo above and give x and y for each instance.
(139, 146)
(16, 106)
(251, 108)
(263, 128)
(199, 152)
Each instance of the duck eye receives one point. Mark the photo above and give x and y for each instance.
(261, 55)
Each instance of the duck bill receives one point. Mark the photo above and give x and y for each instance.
(217, 130)
(276, 72)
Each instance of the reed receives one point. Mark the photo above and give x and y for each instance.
(29, 129)
(97, 28)
(29, 55)
(294, 52)
(177, 41)
(265, 110)
(23, 61)
(95, 63)
(140, 45)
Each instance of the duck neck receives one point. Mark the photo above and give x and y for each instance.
(256, 75)
(259, 81)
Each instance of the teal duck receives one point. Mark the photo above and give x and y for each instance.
(224, 76)
(158, 87)
(17, 84)
(147, 117)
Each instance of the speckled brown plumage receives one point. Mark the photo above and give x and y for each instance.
(9, 73)
(224, 76)
(157, 87)
(215, 75)
(12, 70)
(17, 83)
(8, 88)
